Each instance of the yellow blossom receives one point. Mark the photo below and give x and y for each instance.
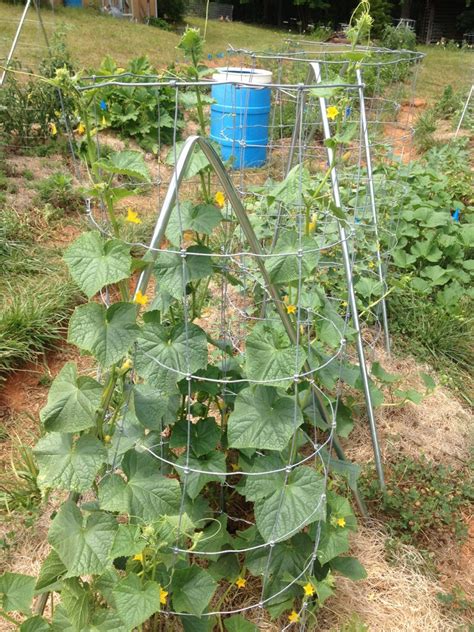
(219, 199)
(234, 466)
(240, 582)
(293, 617)
(81, 128)
(103, 121)
(138, 557)
(140, 299)
(332, 112)
(341, 522)
(371, 265)
(57, 113)
(163, 595)
(107, 439)
(132, 216)
(291, 309)
(53, 129)
(309, 590)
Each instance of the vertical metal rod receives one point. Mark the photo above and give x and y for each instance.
(159, 233)
(350, 287)
(464, 110)
(373, 208)
(15, 41)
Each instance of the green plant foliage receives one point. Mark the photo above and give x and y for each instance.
(422, 498)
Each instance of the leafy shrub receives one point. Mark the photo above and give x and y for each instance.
(58, 191)
(159, 23)
(133, 111)
(399, 37)
(422, 498)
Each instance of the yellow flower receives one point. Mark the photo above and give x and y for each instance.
(341, 522)
(293, 617)
(53, 129)
(140, 299)
(132, 216)
(312, 224)
(81, 128)
(371, 265)
(107, 439)
(163, 595)
(219, 199)
(57, 113)
(291, 309)
(103, 121)
(234, 466)
(240, 582)
(309, 590)
(332, 112)
(138, 557)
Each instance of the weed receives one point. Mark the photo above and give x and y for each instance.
(28, 175)
(457, 601)
(58, 191)
(355, 624)
(425, 127)
(34, 318)
(21, 491)
(422, 499)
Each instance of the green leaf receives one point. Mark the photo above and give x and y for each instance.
(106, 333)
(182, 348)
(262, 419)
(213, 463)
(77, 600)
(136, 600)
(428, 381)
(436, 274)
(270, 355)
(152, 408)
(68, 464)
(403, 259)
(72, 402)
(128, 541)
(200, 218)
(381, 374)
(257, 487)
(328, 89)
(51, 572)
(237, 623)
(125, 163)
(332, 542)
(35, 624)
(410, 394)
(203, 435)
(349, 567)
(94, 262)
(173, 272)
(196, 624)
(288, 510)
(192, 589)
(146, 494)
(83, 544)
(286, 267)
(16, 592)
(287, 559)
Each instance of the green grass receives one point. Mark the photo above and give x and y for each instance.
(123, 39)
(442, 67)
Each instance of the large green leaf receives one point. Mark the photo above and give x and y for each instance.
(237, 623)
(287, 559)
(181, 348)
(173, 272)
(146, 493)
(193, 588)
(263, 485)
(332, 542)
(263, 419)
(136, 600)
(35, 624)
(68, 464)
(152, 408)
(128, 541)
(51, 572)
(349, 567)
(16, 592)
(197, 162)
(288, 510)
(201, 218)
(125, 163)
(94, 262)
(270, 355)
(203, 435)
(106, 333)
(288, 266)
(83, 543)
(213, 463)
(72, 402)
(78, 602)
(290, 189)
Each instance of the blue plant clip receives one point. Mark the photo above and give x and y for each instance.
(103, 105)
(455, 215)
(220, 55)
(357, 220)
(348, 111)
(209, 56)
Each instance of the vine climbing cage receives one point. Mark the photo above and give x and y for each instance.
(229, 384)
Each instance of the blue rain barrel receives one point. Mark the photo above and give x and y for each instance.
(73, 3)
(240, 115)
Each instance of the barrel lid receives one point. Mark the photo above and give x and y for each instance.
(237, 74)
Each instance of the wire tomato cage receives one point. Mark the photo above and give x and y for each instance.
(251, 272)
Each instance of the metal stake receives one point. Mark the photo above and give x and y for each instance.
(350, 287)
(370, 181)
(15, 41)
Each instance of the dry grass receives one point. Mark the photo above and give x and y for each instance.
(396, 597)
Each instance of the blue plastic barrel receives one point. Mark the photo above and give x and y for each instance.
(240, 115)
